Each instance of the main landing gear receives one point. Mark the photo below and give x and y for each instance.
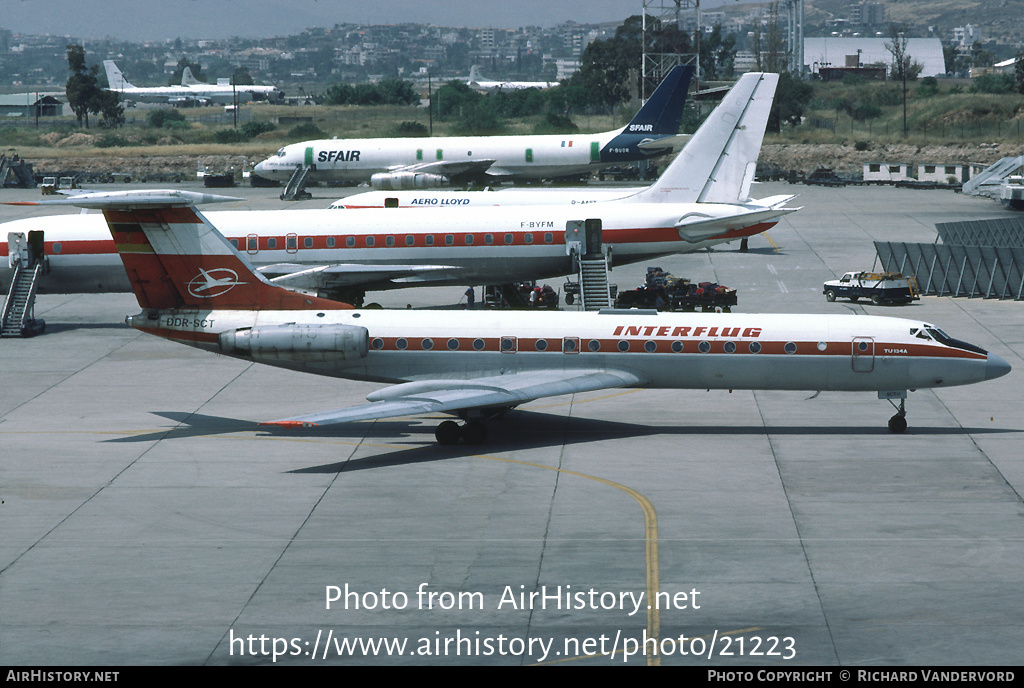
(898, 423)
(472, 432)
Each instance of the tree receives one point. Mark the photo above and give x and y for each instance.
(717, 53)
(791, 97)
(903, 66)
(85, 95)
(1018, 71)
(241, 77)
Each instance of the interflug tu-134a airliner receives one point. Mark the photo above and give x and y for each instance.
(196, 288)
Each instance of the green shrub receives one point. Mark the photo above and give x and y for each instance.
(412, 129)
(231, 136)
(165, 118)
(253, 129)
(305, 132)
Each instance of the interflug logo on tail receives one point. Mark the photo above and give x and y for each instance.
(210, 283)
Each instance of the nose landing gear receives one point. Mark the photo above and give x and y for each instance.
(898, 423)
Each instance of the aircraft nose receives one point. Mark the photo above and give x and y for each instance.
(260, 166)
(995, 367)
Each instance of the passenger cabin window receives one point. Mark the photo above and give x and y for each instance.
(308, 242)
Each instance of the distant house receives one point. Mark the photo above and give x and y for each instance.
(856, 53)
(882, 173)
(942, 174)
(29, 105)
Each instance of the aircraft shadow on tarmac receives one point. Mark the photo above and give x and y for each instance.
(523, 430)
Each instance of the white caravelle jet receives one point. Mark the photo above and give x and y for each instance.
(400, 163)
(480, 365)
(191, 91)
(701, 200)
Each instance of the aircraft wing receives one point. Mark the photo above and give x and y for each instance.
(448, 167)
(496, 392)
(351, 274)
(695, 227)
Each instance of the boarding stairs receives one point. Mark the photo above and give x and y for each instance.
(296, 188)
(595, 291)
(19, 307)
(15, 172)
(989, 180)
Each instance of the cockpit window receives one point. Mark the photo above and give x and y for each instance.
(280, 153)
(920, 333)
(943, 338)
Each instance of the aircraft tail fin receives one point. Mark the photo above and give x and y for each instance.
(663, 111)
(717, 164)
(474, 74)
(115, 79)
(175, 258)
(187, 79)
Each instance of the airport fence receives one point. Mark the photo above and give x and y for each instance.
(948, 270)
(1005, 232)
(977, 130)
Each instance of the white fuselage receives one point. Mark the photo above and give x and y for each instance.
(428, 198)
(476, 246)
(210, 93)
(355, 160)
(665, 350)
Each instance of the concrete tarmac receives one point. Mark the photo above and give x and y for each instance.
(146, 518)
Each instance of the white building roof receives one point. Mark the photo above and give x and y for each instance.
(833, 51)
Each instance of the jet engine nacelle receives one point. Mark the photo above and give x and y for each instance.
(396, 181)
(306, 343)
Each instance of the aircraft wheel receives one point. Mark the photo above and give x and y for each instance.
(474, 433)
(447, 433)
(830, 295)
(897, 424)
(876, 300)
(570, 299)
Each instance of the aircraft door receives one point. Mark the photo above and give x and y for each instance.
(863, 354)
(593, 230)
(17, 249)
(252, 244)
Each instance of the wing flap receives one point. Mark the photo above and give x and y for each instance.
(500, 391)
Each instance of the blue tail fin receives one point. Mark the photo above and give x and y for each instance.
(663, 111)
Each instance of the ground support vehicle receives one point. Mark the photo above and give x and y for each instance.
(880, 287)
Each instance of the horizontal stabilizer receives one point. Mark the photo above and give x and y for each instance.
(135, 199)
(676, 141)
(695, 227)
